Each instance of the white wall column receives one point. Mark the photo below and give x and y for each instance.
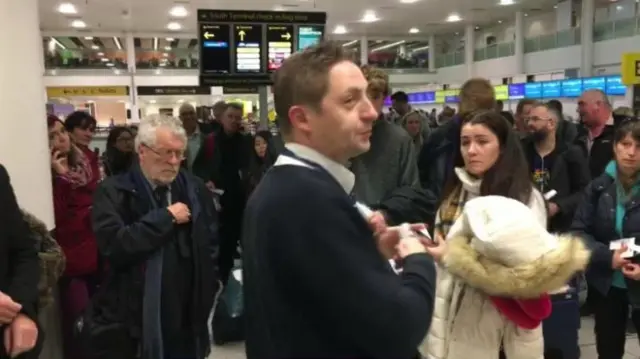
(432, 53)
(564, 13)
(519, 43)
(586, 37)
(364, 51)
(469, 47)
(130, 47)
(24, 145)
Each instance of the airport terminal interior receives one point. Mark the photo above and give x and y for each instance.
(125, 60)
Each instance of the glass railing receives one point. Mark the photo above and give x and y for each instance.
(565, 38)
(174, 59)
(494, 51)
(84, 59)
(616, 29)
(450, 59)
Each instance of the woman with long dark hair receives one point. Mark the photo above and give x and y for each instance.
(74, 182)
(262, 158)
(488, 162)
(119, 152)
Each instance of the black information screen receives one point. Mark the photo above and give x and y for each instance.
(248, 48)
(280, 44)
(215, 48)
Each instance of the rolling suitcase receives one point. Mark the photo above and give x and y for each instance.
(561, 329)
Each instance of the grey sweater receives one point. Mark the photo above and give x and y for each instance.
(387, 175)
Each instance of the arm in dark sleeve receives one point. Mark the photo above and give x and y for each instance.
(326, 259)
(127, 244)
(582, 226)
(405, 203)
(23, 256)
(206, 199)
(579, 176)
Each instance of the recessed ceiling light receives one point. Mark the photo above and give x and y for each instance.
(453, 18)
(499, 21)
(95, 47)
(78, 24)
(619, 7)
(180, 101)
(116, 72)
(67, 8)
(408, 1)
(414, 30)
(525, 14)
(104, 59)
(457, 33)
(152, 101)
(174, 26)
(278, 8)
(477, 27)
(555, 6)
(110, 64)
(178, 11)
(340, 29)
(88, 37)
(370, 16)
(169, 39)
(100, 53)
(506, 2)
(167, 48)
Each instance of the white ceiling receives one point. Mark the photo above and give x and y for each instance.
(152, 16)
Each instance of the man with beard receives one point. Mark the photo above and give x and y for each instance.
(555, 165)
(562, 168)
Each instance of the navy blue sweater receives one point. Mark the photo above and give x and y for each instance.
(315, 284)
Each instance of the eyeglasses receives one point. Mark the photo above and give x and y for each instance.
(535, 119)
(167, 154)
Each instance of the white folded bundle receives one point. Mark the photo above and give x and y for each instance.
(506, 230)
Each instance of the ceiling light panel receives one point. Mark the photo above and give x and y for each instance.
(67, 9)
(414, 30)
(78, 24)
(340, 29)
(179, 11)
(174, 26)
(370, 16)
(454, 18)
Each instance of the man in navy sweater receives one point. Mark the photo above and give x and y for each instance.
(316, 277)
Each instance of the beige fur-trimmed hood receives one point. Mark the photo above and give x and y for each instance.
(546, 274)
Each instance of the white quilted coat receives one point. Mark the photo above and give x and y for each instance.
(465, 323)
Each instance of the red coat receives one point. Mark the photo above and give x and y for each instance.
(74, 233)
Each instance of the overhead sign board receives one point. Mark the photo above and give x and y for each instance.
(630, 68)
(172, 90)
(279, 44)
(240, 48)
(85, 91)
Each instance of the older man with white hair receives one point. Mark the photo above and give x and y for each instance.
(155, 225)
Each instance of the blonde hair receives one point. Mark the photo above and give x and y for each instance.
(476, 94)
(378, 80)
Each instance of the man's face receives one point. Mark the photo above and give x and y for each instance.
(521, 118)
(540, 122)
(400, 107)
(341, 128)
(589, 108)
(161, 162)
(188, 118)
(231, 120)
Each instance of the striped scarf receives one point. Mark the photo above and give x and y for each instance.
(450, 210)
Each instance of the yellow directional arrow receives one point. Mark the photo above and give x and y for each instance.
(286, 36)
(241, 33)
(208, 35)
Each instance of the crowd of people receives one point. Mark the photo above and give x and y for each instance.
(360, 232)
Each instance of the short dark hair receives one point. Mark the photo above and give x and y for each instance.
(303, 79)
(80, 119)
(235, 106)
(628, 127)
(555, 105)
(509, 176)
(400, 96)
(524, 102)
